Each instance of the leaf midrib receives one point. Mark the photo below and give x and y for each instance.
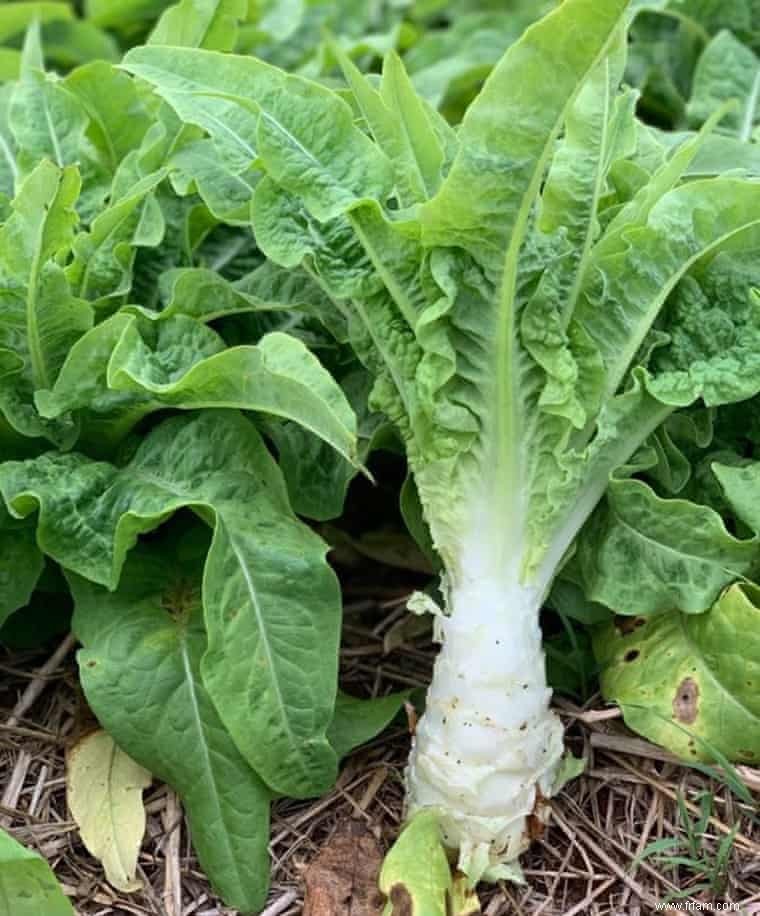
(9, 157)
(748, 122)
(263, 630)
(36, 355)
(115, 833)
(213, 795)
(274, 680)
(51, 129)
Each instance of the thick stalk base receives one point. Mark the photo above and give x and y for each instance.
(487, 749)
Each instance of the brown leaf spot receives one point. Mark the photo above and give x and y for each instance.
(342, 880)
(401, 900)
(686, 701)
(626, 625)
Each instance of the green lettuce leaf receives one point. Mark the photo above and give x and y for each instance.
(641, 554)
(728, 71)
(47, 121)
(211, 24)
(21, 567)
(126, 368)
(40, 317)
(357, 720)
(118, 117)
(272, 605)
(141, 672)
(525, 342)
(27, 885)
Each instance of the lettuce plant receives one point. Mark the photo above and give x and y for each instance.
(515, 288)
(145, 349)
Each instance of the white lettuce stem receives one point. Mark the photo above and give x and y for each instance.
(488, 742)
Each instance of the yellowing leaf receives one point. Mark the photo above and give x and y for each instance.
(689, 681)
(104, 788)
(416, 876)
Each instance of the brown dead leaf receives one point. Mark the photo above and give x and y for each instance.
(342, 880)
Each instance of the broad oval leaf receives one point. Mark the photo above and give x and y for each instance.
(140, 669)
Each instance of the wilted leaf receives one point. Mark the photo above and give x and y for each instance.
(416, 875)
(104, 790)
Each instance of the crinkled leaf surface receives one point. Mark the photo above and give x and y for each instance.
(642, 554)
(727, 71)
(39, 317)
(689, 682)
(203, 293)
(140, 669)
(128, 367)
(118, 119)
(104, 788)
(243, 104)
(272, 604)
(317, 475)
(225, 188)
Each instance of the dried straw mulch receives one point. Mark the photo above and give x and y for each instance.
(584, 863)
